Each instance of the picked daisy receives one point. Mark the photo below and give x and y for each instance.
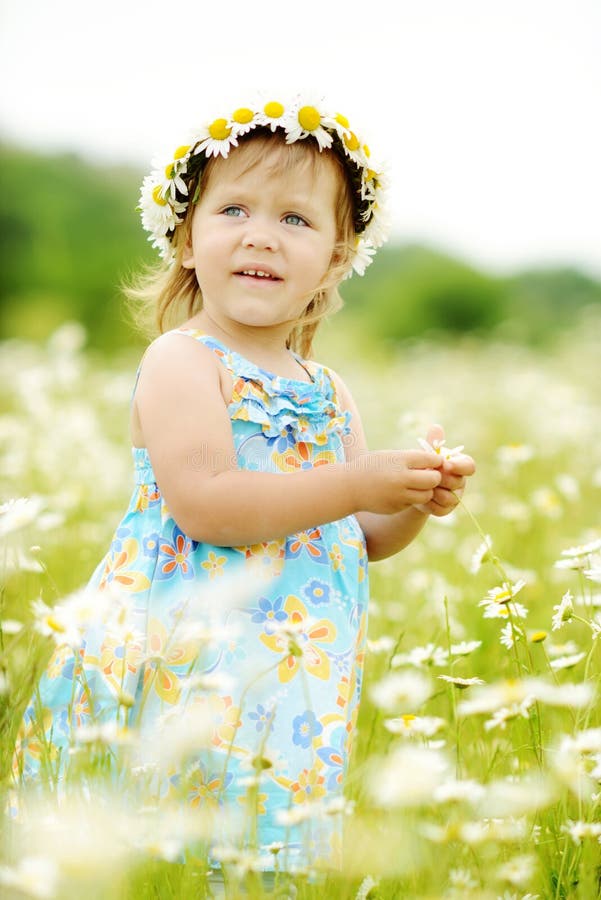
(439, 448)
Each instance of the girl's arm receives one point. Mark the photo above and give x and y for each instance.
(181, 402)
(386, 534)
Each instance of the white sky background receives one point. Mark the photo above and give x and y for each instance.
(487, 113)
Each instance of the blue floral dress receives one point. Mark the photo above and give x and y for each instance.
(279, 676)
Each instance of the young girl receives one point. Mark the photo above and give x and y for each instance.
(249, 459)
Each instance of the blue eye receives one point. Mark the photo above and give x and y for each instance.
(299, 220)
(233, 211)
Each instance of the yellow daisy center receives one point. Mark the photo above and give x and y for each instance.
(366, 150)
(219, 130)
(370, 174)
(273, 109)
(342, 120)
(243, 116)
(158, 197)
(54, 624)
(408, 718)
(538, 637)
(309, 118)
(181, 151)
(352, 141)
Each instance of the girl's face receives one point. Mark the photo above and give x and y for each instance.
(262, 240)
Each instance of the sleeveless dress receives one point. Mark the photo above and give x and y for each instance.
(271, 647)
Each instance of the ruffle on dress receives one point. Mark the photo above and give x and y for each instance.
(307, 411)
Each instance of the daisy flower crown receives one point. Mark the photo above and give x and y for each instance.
(164, 196)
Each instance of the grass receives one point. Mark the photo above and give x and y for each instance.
(458, 791)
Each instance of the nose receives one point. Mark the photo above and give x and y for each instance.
(260, 234)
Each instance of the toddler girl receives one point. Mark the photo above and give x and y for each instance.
(250, 460)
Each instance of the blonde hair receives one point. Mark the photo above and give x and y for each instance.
(164, 295)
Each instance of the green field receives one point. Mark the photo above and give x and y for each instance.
(455, 790)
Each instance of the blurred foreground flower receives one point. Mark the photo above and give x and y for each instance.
(407, 777)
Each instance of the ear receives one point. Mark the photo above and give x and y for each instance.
(188, 255)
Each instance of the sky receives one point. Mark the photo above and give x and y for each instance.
(486, 114)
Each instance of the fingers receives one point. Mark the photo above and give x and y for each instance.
(462, 464)
(422, 459)
(452, 482)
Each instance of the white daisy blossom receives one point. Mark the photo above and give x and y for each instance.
(517, 871)
(409, 725)
(461, 682)
(594, 574)
(453, 791)
(19, 513)
(34, 876)
(430, 655)
(500, 717)
(439, 448)
(587, 549)
(407, 777)
(365, 887)
(563, 611)
(401, 690)
(488, 698)
(578, 831)
(481, 554)
(465, 648)
(567, 662)
(510, 633)
(496, 610)
(503, 594)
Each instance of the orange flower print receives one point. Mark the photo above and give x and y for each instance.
(266, 558)
(118, 657)
(309, 542)
(206, 789)
(57, 661)
(31, 738)
(81, 708)
(307, 635)
(214, 564)
(309, 786)
(303, 456)
(119, 572)
(148, 494)
(174, 556)
(164, 655)
(223, 715)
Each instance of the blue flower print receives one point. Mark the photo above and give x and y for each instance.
(261, 717)
(121, 533)
(306, 727)
(283, 440)
(150, 543)
(269, 612)
(333, 757)
(175, 556)
(317, 591)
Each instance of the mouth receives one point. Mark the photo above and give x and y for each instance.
(258, 275)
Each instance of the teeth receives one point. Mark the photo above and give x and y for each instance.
(259, 273)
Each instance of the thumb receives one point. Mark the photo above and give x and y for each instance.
(435, 433)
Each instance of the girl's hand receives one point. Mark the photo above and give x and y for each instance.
(454, 472)
(388, 481)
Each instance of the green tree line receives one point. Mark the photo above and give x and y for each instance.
(70, 234)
